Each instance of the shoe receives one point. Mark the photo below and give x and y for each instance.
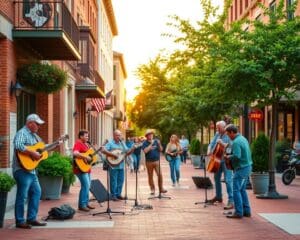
(115, 199)
(215, 200)
(90, 207)
(228, 206)
(247, 215)
(163, 191)
(173, 185)
(121, 198)
(152, 192)
(36, 223)
(23, 225)
(234, 216)
(85, 209)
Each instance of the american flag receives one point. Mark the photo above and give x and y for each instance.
(99, 104)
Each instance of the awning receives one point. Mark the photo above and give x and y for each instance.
(88, 89)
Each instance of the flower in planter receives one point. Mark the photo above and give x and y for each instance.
(40, 77)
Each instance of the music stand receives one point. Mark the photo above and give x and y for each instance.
(108, 210)
(159, 196)
(205, 202)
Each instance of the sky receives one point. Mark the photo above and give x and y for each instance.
(140, 25)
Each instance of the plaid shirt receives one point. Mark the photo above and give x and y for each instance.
(23, 138)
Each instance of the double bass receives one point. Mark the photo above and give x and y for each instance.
(215, 159)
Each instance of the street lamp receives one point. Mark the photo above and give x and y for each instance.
(16, 89)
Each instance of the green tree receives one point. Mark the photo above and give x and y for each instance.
(263, 67)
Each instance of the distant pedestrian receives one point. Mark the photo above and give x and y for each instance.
(184, 143)
(173, 151)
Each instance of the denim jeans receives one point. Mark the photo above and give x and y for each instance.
(116, 181)
(136, 161)
(241, 202)
(228, 182)
(28, 188)
(175, 169)
(183, 156)
(85, 182)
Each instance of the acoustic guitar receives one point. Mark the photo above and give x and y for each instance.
(84, 165)
(28, 163)
(215, 159)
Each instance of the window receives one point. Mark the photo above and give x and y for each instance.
(83, 50)
(272, 7)
(25, 106)
(290, 12)
(246, 3)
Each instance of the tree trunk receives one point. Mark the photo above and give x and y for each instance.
(272, 193)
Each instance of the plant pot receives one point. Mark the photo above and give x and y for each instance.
(65, 188)
(51, 187)
(3, 199)
(196, 160)
(260, 182)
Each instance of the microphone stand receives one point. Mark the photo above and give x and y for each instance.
(206, 202)
(108, 210)
(125, 174)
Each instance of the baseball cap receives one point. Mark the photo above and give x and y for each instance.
(34, 118)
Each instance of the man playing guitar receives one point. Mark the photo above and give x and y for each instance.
(28, 186)
(81, 146)
(117, 150)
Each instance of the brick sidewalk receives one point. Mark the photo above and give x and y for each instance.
(178, 218)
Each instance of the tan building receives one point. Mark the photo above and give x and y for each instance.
(120, 74)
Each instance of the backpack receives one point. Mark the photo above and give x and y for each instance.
(65, 211)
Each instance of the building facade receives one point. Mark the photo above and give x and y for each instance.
(288, 115)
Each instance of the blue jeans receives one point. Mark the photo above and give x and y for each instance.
(116, 181)
(28, 187)
(175, 169)
(85, 182)
(241, 202)
(136, 161)
(183, 156)
(228, 182)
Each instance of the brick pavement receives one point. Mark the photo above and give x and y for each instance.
(178, 218)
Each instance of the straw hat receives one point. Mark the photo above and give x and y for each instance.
(149, 131)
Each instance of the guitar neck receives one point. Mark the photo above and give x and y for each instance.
(49, 146)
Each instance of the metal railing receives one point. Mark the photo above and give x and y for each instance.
(45, 16)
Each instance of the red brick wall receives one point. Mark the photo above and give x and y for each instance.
(8, 103)
(6, 9)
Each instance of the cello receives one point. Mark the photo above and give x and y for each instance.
(215, 159)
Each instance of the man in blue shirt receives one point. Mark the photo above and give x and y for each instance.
(241, 161)
(184, 143)
(116, 173)
(221, 138)
(152, 148)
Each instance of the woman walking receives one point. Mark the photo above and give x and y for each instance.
(173, 151)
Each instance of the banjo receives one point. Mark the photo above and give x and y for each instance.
(113, 162)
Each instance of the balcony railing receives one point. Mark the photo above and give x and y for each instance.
(41, 18)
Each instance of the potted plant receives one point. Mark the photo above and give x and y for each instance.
(51, 173)
(45, 78)
(195, 152)
(6, 184)
(260, 156)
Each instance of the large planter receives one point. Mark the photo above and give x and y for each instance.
(65, 188)
(51, 187)
(196, 160)
(3, 199)
(260, 182)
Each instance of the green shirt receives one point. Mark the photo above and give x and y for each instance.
(241, 154)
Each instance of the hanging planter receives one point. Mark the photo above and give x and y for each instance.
(43, 78)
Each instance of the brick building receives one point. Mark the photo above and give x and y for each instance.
(288, 116)
(77, 37)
